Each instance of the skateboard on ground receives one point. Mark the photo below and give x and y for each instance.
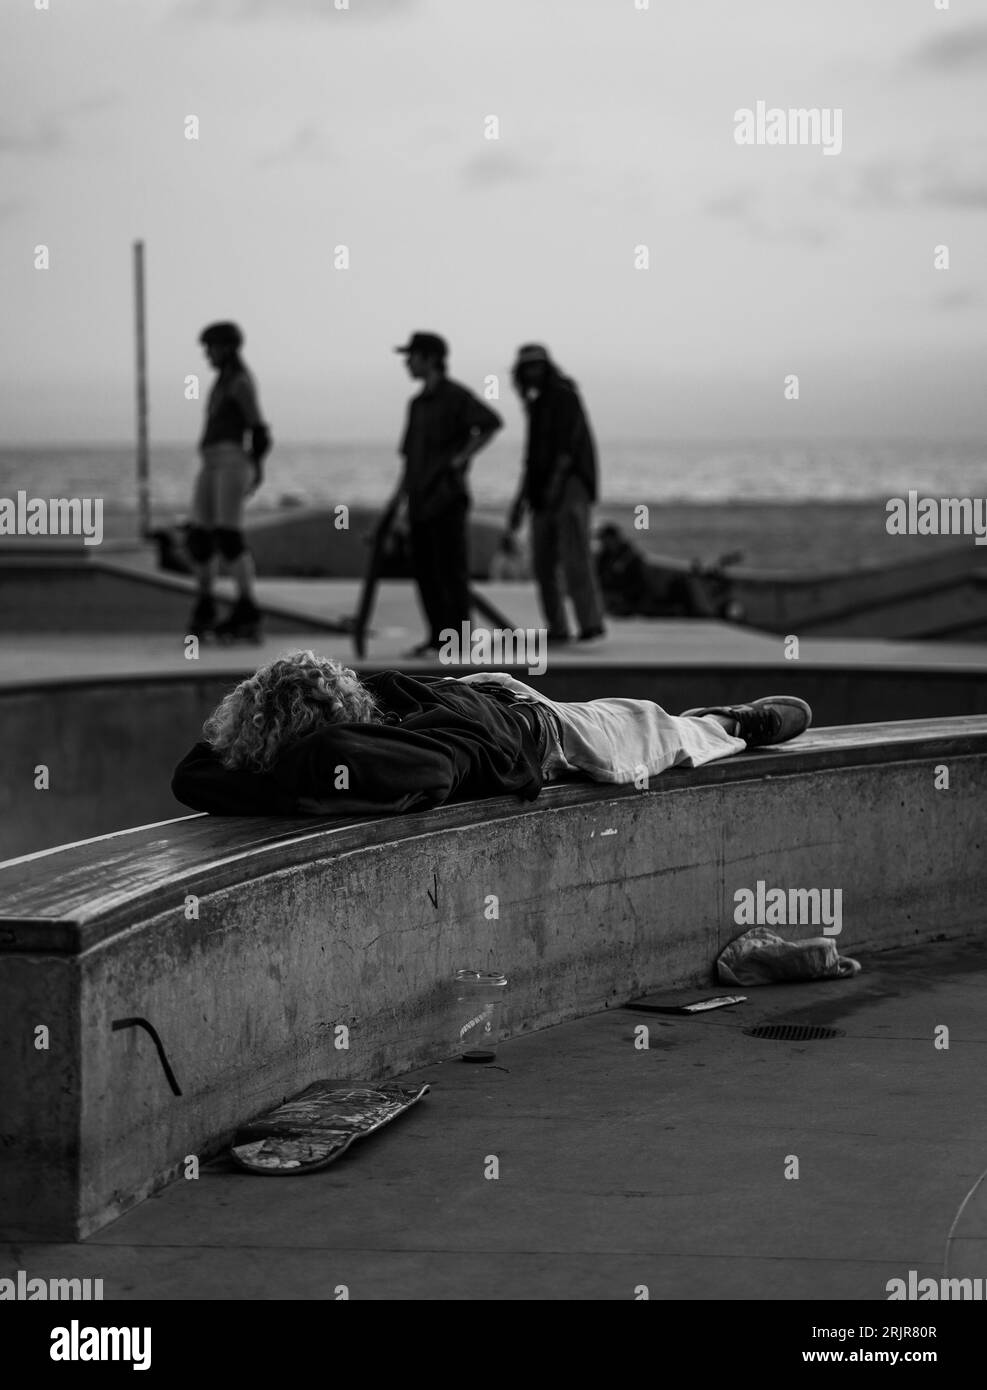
(314, 1129)
(368, 595)
(661, 1004)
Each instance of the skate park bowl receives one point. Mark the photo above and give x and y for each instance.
(164, 984)
(111, 741)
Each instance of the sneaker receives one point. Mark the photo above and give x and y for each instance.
(771, 719)
(591, 633)
(557, 639)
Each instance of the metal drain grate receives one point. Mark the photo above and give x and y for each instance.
(794, 1032)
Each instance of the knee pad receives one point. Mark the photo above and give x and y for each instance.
(200, 543)
(230, 542)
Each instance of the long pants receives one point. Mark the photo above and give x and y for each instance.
(620, 739)
(562, 560)
(440, 559)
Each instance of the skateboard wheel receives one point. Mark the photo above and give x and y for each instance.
(479, 1055)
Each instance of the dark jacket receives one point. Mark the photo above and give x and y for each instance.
(557, 424)
(443, 741)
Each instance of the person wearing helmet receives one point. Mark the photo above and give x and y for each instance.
(230, 471)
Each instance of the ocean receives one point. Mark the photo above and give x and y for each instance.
(653, 472)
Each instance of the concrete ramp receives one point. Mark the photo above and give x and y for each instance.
(306, 541)
(68, 591)
(943, 596)
(161, 985)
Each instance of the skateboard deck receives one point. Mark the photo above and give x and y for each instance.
(486, 610)
(660, 1004)
(368, 594)
(313, 1130)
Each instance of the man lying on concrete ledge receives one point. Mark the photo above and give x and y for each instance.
(305, 735)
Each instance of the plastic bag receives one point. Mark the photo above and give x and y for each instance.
(760, 957)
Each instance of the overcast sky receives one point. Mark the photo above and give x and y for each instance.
(365, 127)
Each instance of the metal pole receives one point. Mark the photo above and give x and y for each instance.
(143, 476)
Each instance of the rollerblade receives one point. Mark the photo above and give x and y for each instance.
(242, 624)
(202, 623)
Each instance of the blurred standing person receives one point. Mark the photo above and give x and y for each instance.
(446, 426)
(559, 486)
(228, 475)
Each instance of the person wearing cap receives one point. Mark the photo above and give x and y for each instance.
(227, 476)
(446, 426)
(559, 486)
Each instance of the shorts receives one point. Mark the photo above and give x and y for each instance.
(225, 477)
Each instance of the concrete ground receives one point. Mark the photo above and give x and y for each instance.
(397, 626)
(619, 1167)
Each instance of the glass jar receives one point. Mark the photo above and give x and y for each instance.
(478, 1013)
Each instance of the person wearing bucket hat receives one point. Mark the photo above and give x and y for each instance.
(559, 486)
(446, 426)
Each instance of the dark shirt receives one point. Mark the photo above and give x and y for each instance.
(440, 423)
(557, 424)
(231, 409)
(443, 742)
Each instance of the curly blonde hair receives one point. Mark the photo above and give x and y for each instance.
(281, 703)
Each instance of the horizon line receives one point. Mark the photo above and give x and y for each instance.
(609, 442)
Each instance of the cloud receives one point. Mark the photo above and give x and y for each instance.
(944, 178)
(956, 301)
(495, 168)
(767, 218)
(957, 190)
(953, 50)
(736, 205)
(307, 145)
(275, 10)
(45, 137)
(51, 133)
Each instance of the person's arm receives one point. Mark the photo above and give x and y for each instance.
(201, 782)
(482, 423)
(361, 769)
(387, 771)
(519, 506)
(557, 479)
(244, 393)
(567, 425)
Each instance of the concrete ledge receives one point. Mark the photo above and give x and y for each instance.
(151, 718)
(307, 924)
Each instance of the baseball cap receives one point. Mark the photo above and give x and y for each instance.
(429, 343)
